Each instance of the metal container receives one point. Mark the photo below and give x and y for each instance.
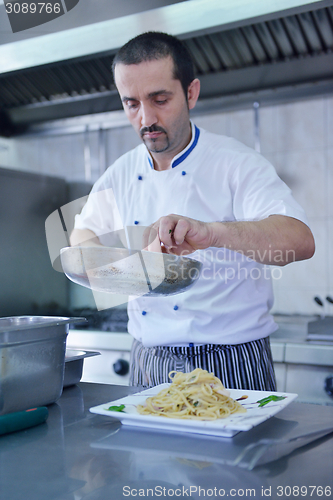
(123, 271)
(74, 365)
(32, 360)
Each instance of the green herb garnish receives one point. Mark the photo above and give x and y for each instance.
(265, 401)
(117, 408)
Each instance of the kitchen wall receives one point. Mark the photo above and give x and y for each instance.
(296, 137)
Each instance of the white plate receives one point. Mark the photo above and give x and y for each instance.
(227, 427)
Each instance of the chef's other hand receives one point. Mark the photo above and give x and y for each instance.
(177, 235)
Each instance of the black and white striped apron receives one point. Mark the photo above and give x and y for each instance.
(241, 366)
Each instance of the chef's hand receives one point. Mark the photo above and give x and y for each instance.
(177, 235)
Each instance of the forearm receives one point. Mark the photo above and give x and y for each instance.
(84, 237)
(276, 240)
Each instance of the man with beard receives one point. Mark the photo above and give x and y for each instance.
(204, 195)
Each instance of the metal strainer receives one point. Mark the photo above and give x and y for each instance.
(128, 272)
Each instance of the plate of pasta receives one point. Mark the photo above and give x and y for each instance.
(196, 402)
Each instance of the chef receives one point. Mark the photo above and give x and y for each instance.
(206, 196)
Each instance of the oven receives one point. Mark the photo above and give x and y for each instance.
(112, 367)
(302, 351)
(105, 332)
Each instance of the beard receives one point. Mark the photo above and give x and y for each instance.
(157, 145)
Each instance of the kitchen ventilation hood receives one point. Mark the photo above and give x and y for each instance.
(243, 51)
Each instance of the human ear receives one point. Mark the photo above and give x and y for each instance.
(193, 92)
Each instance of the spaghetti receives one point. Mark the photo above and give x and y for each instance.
(196, 395)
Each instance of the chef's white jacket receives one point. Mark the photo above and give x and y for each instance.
(215, 178)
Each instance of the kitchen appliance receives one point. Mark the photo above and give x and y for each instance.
(242, 52)
(106, 332)
(29, 285)
(303, 361)
(123, 271)
(32, 360)
(320, 330)
(112, 366)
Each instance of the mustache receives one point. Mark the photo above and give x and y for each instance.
(153, 128)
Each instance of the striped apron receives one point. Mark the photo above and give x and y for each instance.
(241, 366)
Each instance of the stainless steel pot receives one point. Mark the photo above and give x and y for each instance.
(32, 360)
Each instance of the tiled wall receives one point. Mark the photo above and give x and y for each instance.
(296, 137)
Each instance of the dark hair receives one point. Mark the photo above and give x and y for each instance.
(155, 45)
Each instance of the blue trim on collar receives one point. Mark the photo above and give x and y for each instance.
(190, 149)
(185, 155)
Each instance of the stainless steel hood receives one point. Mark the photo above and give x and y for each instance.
(243, 51)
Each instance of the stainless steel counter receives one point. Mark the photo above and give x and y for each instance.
(78, 455)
